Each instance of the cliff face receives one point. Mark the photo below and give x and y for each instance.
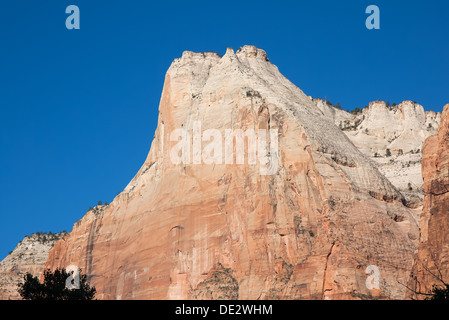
(30, 256)
(432, 261)
(304, 226)
(401, 130)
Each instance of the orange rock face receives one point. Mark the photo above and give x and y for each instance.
(432, 261)
(307, 230)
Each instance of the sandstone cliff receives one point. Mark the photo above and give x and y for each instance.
(392, 137)
(30, 256)
(432, 260)
(307, 231)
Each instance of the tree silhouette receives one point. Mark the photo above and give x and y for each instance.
(438, 292)
(54, 287)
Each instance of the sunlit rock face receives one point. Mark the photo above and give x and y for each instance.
(392, 137)
(432, 261)
(30, 256)
(307, 228)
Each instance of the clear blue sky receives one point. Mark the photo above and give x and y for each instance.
(79, 107)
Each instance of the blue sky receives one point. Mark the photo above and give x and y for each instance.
(79, 107)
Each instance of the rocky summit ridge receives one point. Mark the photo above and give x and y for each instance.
(30, 256)
(392, 137)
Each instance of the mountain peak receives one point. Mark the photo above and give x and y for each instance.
(324, 210)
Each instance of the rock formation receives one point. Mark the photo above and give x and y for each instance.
(198, 230)
(432, 261)
(30, 256)
(392, 137)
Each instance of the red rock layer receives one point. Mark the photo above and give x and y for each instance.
(432, 260)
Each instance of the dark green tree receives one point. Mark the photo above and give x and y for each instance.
(54, 287)
(356, 110)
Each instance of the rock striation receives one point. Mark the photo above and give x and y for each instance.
(432, 260)
(201, 230)
(392, 137)
(30, 256)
